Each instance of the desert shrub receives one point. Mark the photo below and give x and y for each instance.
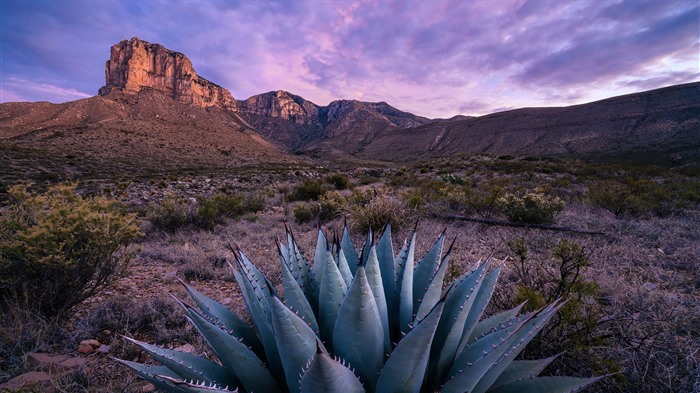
(414, 199)
(483, 200)
(639, 197)
(171, 214)
(308, 190)
(376, 212)
(451, 178)
(305, 212)
(339, 181)
(330, 205)
(57, 249)
(229, 205)
(531, 208)
(578, 325)
(254, 202)
(208, 213)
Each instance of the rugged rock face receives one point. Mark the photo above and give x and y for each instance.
(135, 65)
(283, 105)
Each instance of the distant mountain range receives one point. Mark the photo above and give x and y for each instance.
(155, 108)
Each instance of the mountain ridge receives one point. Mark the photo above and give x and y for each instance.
(148, 87)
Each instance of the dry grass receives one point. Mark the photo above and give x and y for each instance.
(646, 271)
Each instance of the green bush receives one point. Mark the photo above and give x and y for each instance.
(339, 181)
(376, 212)
(305, 212)
(330, 205)
(171, 214)
(57, 249)
(531, 208)
(308, 190)
(483, 200)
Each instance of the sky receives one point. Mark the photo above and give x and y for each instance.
(432, 58)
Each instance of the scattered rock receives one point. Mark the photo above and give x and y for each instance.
(85, 349)
(104, 348)
(54, 363)
(27, 382)
(148, 388)
(93, 343)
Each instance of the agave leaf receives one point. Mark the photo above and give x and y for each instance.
(349, 250)
(522, 369)
(489, 324)
(296, 342)
(458, 303)
(366, 245)
(306, 280)
(227, 318)
(188, 366)
(329, 376)
(262, 323)
(478, 367)
(425, 271)
(406, 367)
(256, 280)
(344, 267)
(358, 337)
(294, 297)
(154, 374)
(195, 387)
(233, 354)
(516, 344)
(434, 289)
(547, 384)
(374, 277)
(481, 300)
(404, 282)
(320, 254)
(385, 256)
(332, 291)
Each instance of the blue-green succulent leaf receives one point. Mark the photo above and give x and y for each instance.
(332, 292)
(522, 369)
(405, 287)
(385, 256)
(481, 301)
(262, 323)
(489, 324)
(222, 315)
(515, 344)
(296, 342)
(458, 303)
(320, 253)
(189, 366)
(344, 268)
(349, 250)
(329, 376)
(405, 369)
(434, 289)
(295, 299)
(425, 271)
(374, 277)
(547, 384)
(358, 337)
(154, 374)
(234, 355)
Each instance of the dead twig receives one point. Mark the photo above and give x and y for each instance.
(519, 225)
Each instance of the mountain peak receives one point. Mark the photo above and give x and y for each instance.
(135, 65)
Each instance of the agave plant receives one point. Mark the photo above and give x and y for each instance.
(359, 321)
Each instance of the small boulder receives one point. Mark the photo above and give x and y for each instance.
(27, 382)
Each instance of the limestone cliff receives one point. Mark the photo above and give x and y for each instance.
(135, 65)
(283, 105)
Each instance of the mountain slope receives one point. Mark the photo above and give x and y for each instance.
(663, 122)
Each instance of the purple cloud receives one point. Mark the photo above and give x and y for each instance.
(436, 59)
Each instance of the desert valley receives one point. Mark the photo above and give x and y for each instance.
(597, 203)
